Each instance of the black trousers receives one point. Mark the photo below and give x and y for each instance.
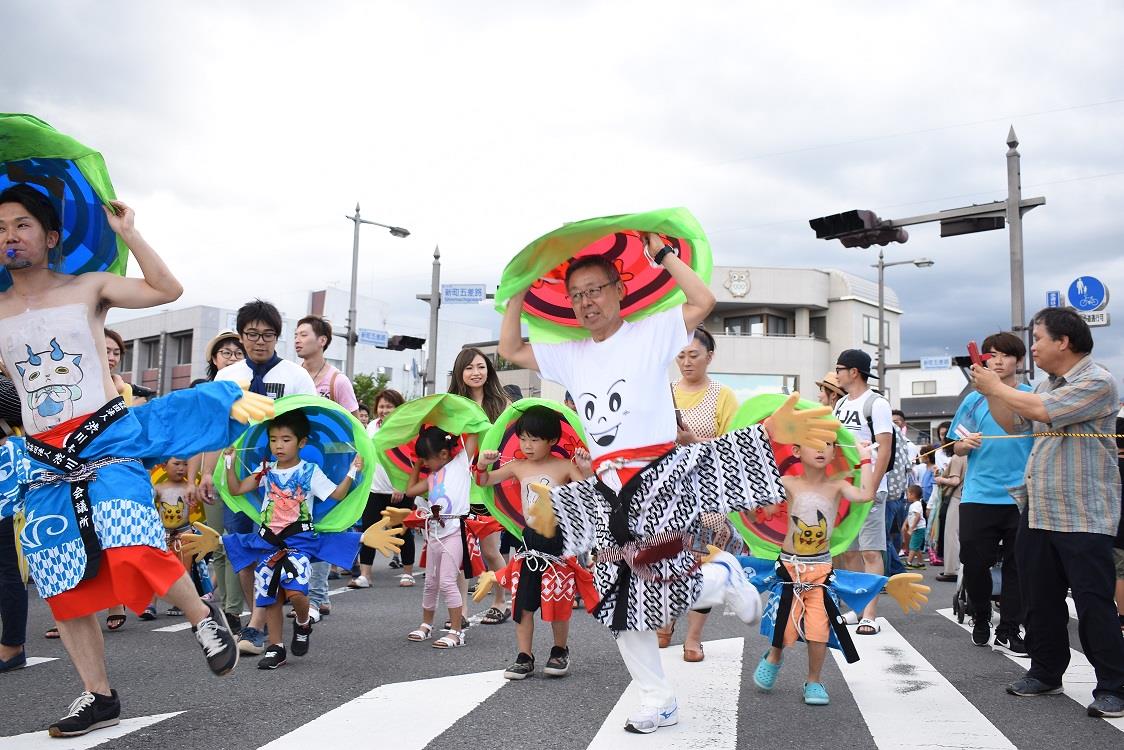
(376, 502)
(1051, 562)
(982, 528)
(13, 593)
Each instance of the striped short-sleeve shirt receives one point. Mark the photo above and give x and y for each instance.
(1073, 483)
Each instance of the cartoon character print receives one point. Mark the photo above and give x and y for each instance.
(172, 514)
(604, 413)
(50, 379)
(810, 539)
(286, 503)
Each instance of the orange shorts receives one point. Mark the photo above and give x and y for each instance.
(808, 608)
(127, 575)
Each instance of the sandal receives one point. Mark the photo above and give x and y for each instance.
(170, 612)
(451, 639)
(52, 634)
(148, 614)
(405, 580)
(693, 655)
(423, 633)
(114, 622)
(493, 616)
(868, 627)
(664, 634)
(464, 624)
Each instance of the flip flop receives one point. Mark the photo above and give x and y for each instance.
(871, 627)
(114, 622)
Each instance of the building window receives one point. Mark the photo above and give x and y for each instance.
(756, 325)
(870, 331)
(818, 328)
(924, 388)
(778, 326)
(179, 348)
(126, 365)
(150, 354)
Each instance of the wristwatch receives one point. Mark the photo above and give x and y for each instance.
(663, 253)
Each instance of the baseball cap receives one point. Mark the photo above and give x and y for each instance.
(855, 359)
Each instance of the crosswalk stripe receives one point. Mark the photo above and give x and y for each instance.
(173, 628)
(1077, 682)
(405, 708)
(42, 741)
(907, 703)
(708, 704)
(33, 660)
(1072, 607)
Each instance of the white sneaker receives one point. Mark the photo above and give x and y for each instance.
(647, 719)
(359, 582)
(313, 613)
(741, 596)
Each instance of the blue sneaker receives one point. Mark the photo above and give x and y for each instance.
(815, 694)
(19, 661)
(765, 676)
(251, 641)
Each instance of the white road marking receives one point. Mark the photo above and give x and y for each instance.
(906, 702)
(404, 709)
(42, 741)
(708, 703)
(1077, 682)
(33, 660)
(185, 625)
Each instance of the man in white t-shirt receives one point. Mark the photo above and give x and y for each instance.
(853, 370)
(259, 324)
(312, 337)
(645, 488)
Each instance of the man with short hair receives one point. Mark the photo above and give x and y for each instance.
(852, 368)
(989, 518)
(86, 450)
(312, 337)
(1071, 501)
(897, 508)
(259, 325)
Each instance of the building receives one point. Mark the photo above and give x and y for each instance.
(778, 329)
(164, 350)
(929, 391)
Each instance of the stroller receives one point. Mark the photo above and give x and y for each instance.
(960, 606)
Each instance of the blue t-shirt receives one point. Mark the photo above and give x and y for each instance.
(997, 464)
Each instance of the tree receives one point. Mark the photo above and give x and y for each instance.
(368, 387)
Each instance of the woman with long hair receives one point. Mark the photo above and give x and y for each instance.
(474, 376)
(383, 495)
(705, 410)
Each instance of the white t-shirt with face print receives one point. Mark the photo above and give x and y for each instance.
(620, 385)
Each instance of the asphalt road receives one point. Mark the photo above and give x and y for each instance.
(920, 683)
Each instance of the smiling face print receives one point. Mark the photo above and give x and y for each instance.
(603, 413)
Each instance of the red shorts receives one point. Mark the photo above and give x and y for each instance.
(127, 575)
(557, 595)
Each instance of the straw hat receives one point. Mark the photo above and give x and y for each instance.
(219, 340)
(831, 383)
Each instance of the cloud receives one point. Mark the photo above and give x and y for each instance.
(244, 132)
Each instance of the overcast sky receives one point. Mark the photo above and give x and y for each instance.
(243, 132)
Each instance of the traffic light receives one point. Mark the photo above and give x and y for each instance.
(857, 229)
(401, 343)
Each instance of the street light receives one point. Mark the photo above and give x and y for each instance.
(352, 332)
(882, 265)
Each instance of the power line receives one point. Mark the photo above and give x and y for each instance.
(922, 131)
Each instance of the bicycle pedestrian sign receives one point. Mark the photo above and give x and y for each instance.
(1087, 294)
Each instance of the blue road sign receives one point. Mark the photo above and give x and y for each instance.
(1053, 299)
(373, 338)
(463, 294)
(1087, 294)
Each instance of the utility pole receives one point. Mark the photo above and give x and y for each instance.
(429, 387)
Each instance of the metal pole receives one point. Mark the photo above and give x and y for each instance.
(430, 385)
(1015, 236)
(881, 320)
(352, 333)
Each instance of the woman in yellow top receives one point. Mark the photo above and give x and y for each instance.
(705, 409)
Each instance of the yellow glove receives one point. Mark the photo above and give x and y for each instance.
(810, 427)
(540, 516)
(251, 407)
(379, 537)
(484, 583)
(19, 521)
(395, 516)
(204, 541)
(711, 553)
(907, 592)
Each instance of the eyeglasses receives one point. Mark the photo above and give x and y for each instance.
(838, 368)
(231, 354)
(266, 336)
(593, 293)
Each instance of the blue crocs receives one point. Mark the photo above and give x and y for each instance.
(815, 694)
(765, 676)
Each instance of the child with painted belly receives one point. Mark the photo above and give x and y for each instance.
(539, 577)
(813, 504)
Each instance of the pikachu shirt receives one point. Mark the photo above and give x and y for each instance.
(811, 517)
